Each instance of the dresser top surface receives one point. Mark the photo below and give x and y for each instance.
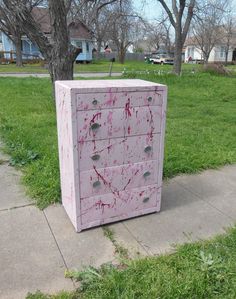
(110, 85)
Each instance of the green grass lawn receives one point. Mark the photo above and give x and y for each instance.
(96, 66)
(200, 134)
(202, 270)
(104, 66)
(28, 68)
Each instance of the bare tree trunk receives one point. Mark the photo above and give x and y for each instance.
(17, 42)
(226, 56)
(121, 55)
(206, 58)
(99, 43)
(181, 30)
(60, 68)
(178, 53)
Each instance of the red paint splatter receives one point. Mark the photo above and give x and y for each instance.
(150, 134)
(127, 109)
(109, 117)
(96, 117)
(105, 182)
(141, 193)
(94, 144)
(109, 148)
(102, 205)
(127, 184)
(129, 129)
(129, 181)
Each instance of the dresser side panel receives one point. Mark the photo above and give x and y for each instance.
(162, 137)
(66, 120)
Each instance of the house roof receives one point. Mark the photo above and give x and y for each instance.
(192, 41)
(77, 28)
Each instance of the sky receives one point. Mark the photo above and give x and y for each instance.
(152, 9)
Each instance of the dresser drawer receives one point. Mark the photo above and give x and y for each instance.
(109, 100)
(119, 178)
(143, 120)
(95, 124)
(118, 151)
(119, 204)
(104, 124)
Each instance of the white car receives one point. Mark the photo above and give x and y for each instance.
(161, 59)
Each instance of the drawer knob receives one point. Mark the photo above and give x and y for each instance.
(95, 102)
(146, 174)
(95, 126)
(149, 99)
(95, 157)
(96, 184)
(148, 149)
(146, 199)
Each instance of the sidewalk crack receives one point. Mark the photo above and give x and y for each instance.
(17, 207)
(58, 247)
(140, 243)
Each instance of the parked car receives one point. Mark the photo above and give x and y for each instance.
(159, 59)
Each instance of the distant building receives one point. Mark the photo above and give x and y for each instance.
(217, 54)
(80, 35)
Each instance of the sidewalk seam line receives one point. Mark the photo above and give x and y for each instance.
(58, 247)
(199, 196)
(136, 239)
(18, 207)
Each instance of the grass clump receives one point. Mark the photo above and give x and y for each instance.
(120, 250)
(61, 295)
(216, 69)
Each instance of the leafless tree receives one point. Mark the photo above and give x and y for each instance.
(123, 22)
(9, 25)
(155, 36)
(95, 14)
(208, 26)
(56, 48)
(180, 14)
(229, 33)
(158, 34)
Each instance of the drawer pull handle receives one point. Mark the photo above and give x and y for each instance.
(148, 149)
(96, 184)
(95, 102)
(149, 99)
(146, 199)
(146, 174)
(95, 126)
(95, 157)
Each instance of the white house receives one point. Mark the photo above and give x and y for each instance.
(217, 54)
(80, 36)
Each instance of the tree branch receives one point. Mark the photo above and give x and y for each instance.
(163, 3)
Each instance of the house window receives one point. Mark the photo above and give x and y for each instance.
(190, 52)
(77, 44)
(222, 52)
(87, 47)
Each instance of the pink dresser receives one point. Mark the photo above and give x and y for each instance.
(111, 141)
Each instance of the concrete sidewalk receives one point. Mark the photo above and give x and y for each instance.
(82, 75)
(37, 246)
